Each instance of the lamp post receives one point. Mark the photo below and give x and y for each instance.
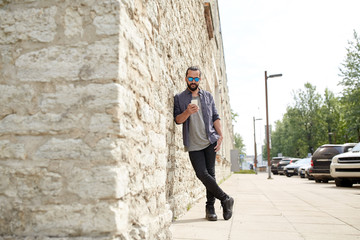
(267, 121)
(255, 159)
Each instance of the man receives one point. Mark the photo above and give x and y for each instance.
(202, 138)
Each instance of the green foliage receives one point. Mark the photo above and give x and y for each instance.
(234, 115)
(239, 143)
(350, 72)
(314, 120)
(245, 172)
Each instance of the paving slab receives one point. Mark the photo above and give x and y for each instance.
(277, 208)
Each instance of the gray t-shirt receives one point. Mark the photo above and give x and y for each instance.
(198, 139)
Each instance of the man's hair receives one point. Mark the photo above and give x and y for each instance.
(193, 68)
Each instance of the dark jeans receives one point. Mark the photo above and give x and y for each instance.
(203, 162)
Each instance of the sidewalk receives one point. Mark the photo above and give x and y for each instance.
(280, 208)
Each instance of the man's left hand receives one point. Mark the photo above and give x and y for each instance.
(218, 145)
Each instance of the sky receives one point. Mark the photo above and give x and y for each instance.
(303, 40)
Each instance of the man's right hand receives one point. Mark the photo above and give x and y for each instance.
(192, 108)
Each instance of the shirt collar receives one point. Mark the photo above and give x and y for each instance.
(201, 92)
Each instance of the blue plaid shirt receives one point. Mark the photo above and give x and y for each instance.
(210, 115)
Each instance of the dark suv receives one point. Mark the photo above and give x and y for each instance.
(322, 157)
(274, 164)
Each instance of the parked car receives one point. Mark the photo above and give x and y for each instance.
(309, 173)
(304, 170)
(322, 158)
(345, 167)
(274, 164)
(284, 163)
(293, 168)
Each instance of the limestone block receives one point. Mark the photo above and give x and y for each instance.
(157, 141)
(103, 152)
(156, 180)
(151, 204)
(41, 123)
(7, 68)
(53, 220)
(59, 149)
(133, 131)
(146, 113)
(105, 7)
(50, 64)
(17, 99)
(107, 25)
(91, 97)
(146, 160)
(51, 184)
(161, 160)
(4, 181)
(136, 181)
(131, 33)
(101, 123)
(5, 215)
(33, 24)
(98, 183)
(95, 61)
(152, 12)
(126, 100)
(73, 24)
(33, 184)
(121, 213)
(101, 60)
(29, 184)
(9, 150)
(123, 55)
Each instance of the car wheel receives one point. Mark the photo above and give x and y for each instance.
(340, 182)
(288, 175)
(317, 180)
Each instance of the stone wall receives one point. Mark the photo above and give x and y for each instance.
(88, 145)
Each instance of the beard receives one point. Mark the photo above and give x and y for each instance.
(193, 86)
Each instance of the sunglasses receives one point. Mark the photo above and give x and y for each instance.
(191, 79)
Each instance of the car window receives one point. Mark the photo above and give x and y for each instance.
(356, 148)
(348, 148)
(303, 161)
(326, 152)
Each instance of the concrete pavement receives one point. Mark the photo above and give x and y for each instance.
(280, 208)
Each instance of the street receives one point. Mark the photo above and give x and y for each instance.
(279, 208)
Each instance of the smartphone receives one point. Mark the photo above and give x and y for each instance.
(195, 101)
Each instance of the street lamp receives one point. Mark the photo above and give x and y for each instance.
(267, 121)
(255, 159)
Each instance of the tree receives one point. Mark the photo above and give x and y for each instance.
(350, 71)
(239, 143)
(307, 103)
(307, 123)
(330, 112)
(234, 115)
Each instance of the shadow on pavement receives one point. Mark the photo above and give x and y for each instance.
(190, 221)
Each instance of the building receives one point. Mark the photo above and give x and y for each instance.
(88, 145)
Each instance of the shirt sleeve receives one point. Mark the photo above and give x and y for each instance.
(177, 110)
(215, 115)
